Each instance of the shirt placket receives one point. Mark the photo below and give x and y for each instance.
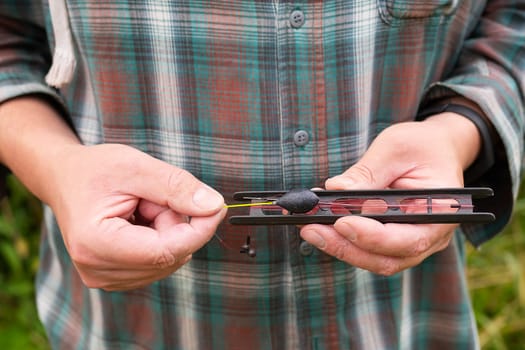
(302, 127)
(302, 95)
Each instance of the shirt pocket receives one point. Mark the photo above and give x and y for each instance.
(393, 10)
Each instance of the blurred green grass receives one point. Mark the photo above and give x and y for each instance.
(20, 218)
(496, 275)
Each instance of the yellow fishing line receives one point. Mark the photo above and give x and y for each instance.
(247, 204)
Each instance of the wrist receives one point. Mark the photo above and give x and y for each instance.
(464, 108)
(459, 132)
(32, 137)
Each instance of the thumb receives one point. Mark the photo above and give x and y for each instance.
(167, 185)
(373, 171)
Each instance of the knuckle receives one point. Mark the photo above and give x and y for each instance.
(340, 252)
(164, 259)
(80, 255)
(92, 282)
(389, 267)
(175, 184)
(421, 247)
(363, 172)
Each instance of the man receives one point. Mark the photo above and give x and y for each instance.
(159, 102)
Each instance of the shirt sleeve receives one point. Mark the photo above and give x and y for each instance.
(25, 57)
(24, 51)
(491, 72)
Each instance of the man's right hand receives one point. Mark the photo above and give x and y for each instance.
(127, 218)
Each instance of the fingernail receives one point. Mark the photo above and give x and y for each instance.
(208, 199)
(314, 238)
(350, 233)
(339, 182)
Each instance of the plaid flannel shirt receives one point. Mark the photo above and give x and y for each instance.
(220, 88)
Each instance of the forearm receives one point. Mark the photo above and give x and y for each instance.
(32, 137)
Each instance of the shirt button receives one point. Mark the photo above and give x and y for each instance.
(297, 19)
(301, 138)
(306, 249)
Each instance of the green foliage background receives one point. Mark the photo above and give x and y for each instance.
(496, 276)
(20, 218)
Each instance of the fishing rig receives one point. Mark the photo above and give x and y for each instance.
(415, 206)
(410, 206)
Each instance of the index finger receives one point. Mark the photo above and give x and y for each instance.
(134, 246)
